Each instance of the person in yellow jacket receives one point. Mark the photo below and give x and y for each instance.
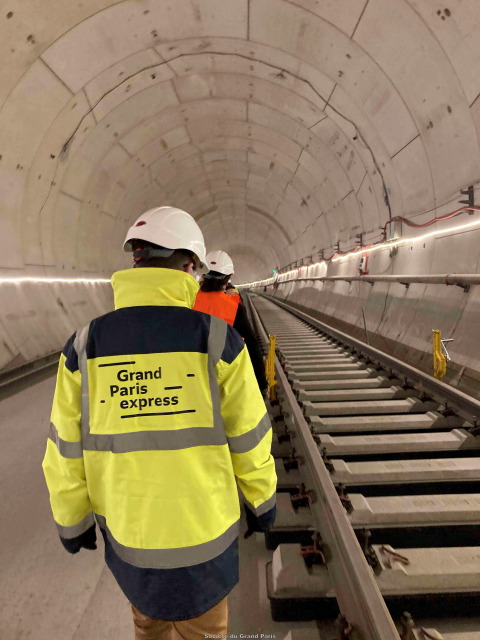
(156, 415)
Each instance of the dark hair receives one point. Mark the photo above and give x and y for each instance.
(213, 281)
(177, 260)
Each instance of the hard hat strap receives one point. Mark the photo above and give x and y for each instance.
(147, 253)
(216, 276)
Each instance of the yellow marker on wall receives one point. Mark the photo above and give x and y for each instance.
(439, 359)
(270, 370)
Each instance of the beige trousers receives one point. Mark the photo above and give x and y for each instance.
(212, 623)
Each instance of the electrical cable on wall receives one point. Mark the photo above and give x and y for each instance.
(359, 249)
(409, 223)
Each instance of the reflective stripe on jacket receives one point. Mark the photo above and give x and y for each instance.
(217, 303)
(156, 410)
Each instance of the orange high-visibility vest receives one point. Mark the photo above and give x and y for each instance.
(235, 296)
(217, 303)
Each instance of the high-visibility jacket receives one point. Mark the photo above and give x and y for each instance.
(229, 307)
(217, 303)
(156, 411)
(235, 295)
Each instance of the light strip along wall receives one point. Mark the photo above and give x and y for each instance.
(283, 277)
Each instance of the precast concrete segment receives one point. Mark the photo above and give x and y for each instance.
(358, 408)
(424, 421)
(348, 383)
(304, 343)
(287, 329)
(307, 376)
(298, 328)
(316, 360)
(429, 571)
(406, 471)
(435, 570)
(290, 576)
(456, 440)
(288, 518)
(349, 366)
(306, 335)
(291, 326)
(419, 510)
(281, 320)
(337, 395)
(287, 479)
(310, 355)
(293, 334)
(305, 351)
(290, 331)
(304, 346)
(314, 346)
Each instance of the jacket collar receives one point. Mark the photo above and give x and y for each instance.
(154, 287)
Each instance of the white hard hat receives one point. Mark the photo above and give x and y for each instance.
(220, 261)
(168, 227)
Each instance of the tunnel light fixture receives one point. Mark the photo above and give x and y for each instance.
(283, 277)
(53, 280)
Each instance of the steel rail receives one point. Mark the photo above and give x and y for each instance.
(356, 590)
(467, 405)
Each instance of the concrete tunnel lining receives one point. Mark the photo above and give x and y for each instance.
(276, 124)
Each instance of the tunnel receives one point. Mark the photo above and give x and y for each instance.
(323, 144)
(287, 129)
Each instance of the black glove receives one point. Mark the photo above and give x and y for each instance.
(87, 540)
(252, 523)
(258, 524)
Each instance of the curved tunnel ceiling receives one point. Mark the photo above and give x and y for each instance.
(278, 125)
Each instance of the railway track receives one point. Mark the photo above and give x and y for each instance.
(378, 486)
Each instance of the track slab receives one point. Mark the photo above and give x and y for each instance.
(422, 571)
(455, 440)
(366, 407)
(429, 420)
(406, 471)
(288, 518)
(404, 511)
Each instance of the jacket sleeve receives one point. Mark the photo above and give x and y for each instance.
(244, 328)
(63, 464)
(248, 429)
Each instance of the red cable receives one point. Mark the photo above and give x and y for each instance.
(427, 224)
(384, 232)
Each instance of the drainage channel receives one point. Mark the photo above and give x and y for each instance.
(378, 486)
